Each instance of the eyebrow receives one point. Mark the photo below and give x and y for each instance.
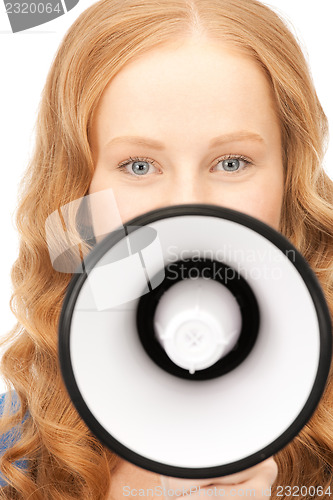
(217, 141)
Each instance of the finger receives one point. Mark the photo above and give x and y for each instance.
(266, 468)
(263, 473)
(258, 486)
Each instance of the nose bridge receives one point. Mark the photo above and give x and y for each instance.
(188, 185)
(186, 192)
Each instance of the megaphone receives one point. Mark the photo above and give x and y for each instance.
(197, 341)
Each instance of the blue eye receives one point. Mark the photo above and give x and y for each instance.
(137, 167)
(140, 167)
(233, 164)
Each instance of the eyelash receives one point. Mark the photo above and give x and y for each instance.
(122, 166)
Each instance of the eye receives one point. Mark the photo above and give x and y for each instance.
(137, 166)
(233, 164)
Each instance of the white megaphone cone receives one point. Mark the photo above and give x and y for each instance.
(197, 341)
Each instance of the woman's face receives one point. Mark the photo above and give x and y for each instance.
(192, 123)
(189, 123)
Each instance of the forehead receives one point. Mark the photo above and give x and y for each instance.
(193, 85)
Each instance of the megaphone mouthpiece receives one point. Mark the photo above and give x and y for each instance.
(197, 322)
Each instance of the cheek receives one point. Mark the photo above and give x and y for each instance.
(103, 205)
(262, 200)
(266, 207)
(120, 203)
(134, 202)
(270, 205)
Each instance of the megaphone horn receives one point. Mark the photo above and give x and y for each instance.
(197, 342)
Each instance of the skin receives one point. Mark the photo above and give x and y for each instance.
(185, 95)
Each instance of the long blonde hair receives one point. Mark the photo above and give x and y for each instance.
(65, 460)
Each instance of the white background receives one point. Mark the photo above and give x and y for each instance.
(25, 60)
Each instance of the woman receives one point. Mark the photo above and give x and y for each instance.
(224, 88)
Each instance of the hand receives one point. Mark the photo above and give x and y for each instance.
(254, 482)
